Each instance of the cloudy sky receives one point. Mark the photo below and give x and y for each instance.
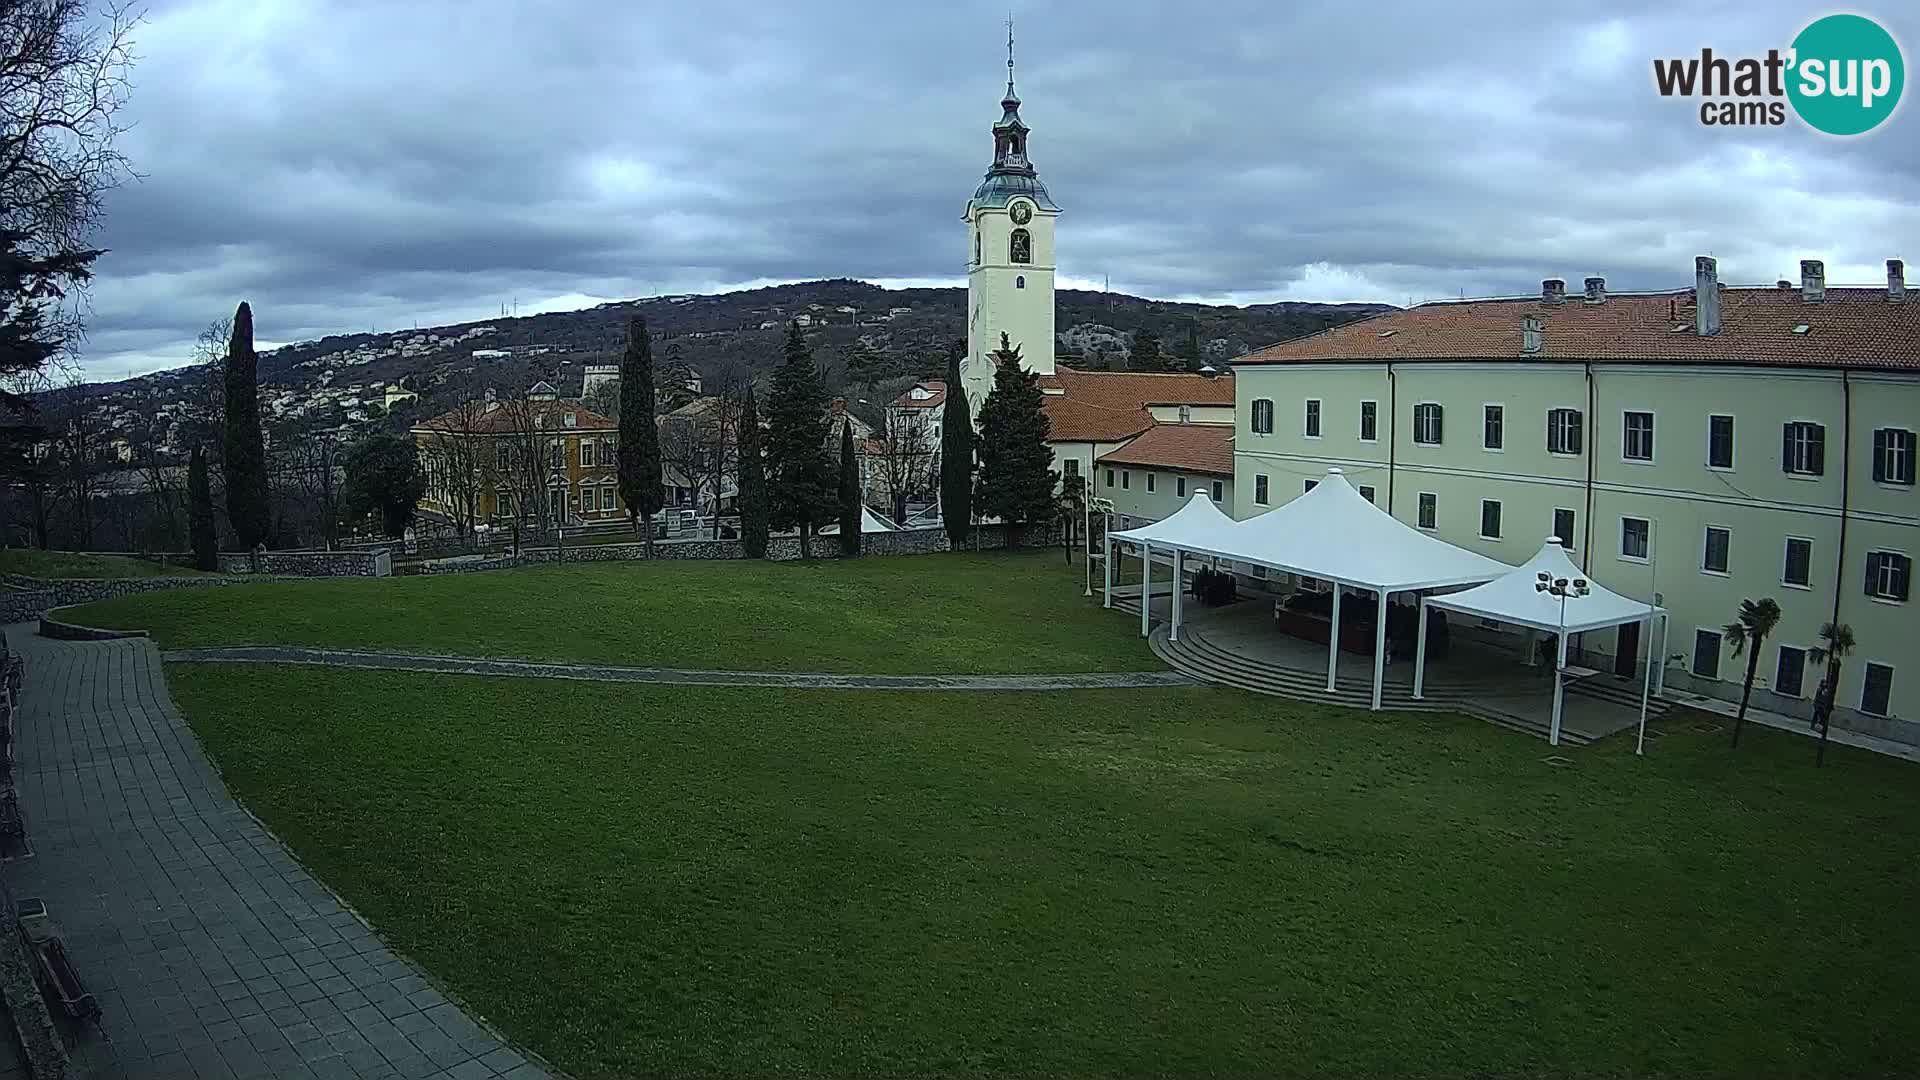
(355, 166)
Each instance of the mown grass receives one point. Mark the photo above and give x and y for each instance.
(936, 614)
(642, 880)
(82, 564)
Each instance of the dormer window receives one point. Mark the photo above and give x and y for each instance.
(1020, 246)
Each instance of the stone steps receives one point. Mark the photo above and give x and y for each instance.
(1194, 656)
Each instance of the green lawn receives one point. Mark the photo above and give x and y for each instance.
(934, 614)
(641, 880)
(81, 564)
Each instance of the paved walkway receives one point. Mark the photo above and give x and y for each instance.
(212, 952)
(464, 665)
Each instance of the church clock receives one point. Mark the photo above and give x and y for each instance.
(1022, 213)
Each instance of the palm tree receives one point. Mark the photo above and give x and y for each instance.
(1836, 641)
(1757, 620)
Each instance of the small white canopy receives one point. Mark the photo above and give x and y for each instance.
(1197, 526)
(1512, 597)
(1335, 532)
(870, 522)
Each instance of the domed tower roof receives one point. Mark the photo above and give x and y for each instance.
(1011, 173)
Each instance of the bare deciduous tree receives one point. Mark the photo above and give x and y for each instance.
(904, 449)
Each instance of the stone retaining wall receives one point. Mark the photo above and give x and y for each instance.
(375, 563)
(779, 549)
(24, 604)
(49, 593)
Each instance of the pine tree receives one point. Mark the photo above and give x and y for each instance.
(200, 512)
(800, 480)
(753, 480)
(1016, 482)
(850, 501)
(246, 453)
(384, 477)
(638, 457)
(1145, 354)
(956, 454)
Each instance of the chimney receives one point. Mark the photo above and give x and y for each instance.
(1813, 280)
(1553, 291)
(1706, 296)
(1896, 280)
(1531, 336)
(1596, 290)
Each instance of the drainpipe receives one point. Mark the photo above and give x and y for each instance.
(1846, 475)
(1593, 432)
(1393, 419)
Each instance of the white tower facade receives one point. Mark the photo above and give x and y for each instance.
(1009, 256)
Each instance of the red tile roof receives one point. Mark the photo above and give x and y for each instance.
(1202, 448)
(1108, 406)
(1850, 328)
(503, 419)
(939, 397)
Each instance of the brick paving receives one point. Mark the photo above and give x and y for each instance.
(212, 952)
(530, 669)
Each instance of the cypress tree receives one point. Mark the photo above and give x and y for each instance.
(1145, 354)
(956, 454)
(800, 481)
(200, 512)
(246, 453)
(639, 453)
(1016, 481)
(850, 501)
(753, 481)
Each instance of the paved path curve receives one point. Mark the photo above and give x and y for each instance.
(527, 669)
(213, 952)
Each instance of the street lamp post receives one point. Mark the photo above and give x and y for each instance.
(1562, 588)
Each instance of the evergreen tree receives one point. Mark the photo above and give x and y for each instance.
(863, 364)
(639, 453)
(850, 501)
(1192, 351)
(1016, 483)
(246, 453)
(1145, 354)
(800, 481)
(956, 454)
(384, 477)
(200, 512)
(753, 480)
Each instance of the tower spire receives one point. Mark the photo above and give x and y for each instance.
(1010, 56)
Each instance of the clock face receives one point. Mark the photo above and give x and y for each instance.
(1022, 213)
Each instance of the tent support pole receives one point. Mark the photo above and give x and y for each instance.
(1559, 682)
(1420, 654)
(1646, 687)
(1660, 671)
(1379, 648)
(1146, 590)
(1333, 640)
(1173, 631)
(1106, 574)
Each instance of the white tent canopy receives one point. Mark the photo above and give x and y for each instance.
(1513, 598)
(1332, 532)
(870, 522)
(1549, 593)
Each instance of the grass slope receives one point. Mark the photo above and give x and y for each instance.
(81, 564)
(935, 614)
(651, 881)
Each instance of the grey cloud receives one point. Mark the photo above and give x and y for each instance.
(373, 164)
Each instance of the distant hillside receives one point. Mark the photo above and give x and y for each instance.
(328, 385)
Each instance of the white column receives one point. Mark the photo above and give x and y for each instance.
(1646, 685)
(1333, 639)
(1420, 653)
(1379, 649)
(1173, 631)
(1559, 678)
(1146, 590)
(1106, 575)
(1660, 672)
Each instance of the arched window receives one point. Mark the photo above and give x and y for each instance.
(976, 247)
(1020, 282)
(1021, 246)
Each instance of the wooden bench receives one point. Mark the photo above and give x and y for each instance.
(59, 981)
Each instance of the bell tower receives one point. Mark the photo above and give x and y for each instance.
(1009, 254)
